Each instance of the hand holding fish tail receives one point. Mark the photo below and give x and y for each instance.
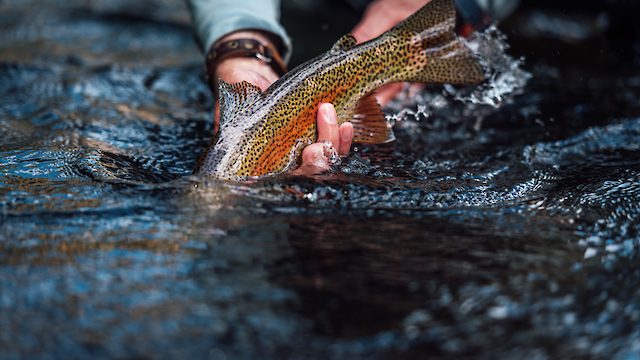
(380, 16)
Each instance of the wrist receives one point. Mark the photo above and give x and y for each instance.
(252, 70)
(250, 49)
(246, 34)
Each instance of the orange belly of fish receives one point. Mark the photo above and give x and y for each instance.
(276, 154)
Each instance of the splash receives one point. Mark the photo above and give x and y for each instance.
(504, 76)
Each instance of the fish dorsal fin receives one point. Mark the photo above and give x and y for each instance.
(344, 43)
(369, 123)
(235, 98)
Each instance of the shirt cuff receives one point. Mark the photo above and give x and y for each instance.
(215, 19)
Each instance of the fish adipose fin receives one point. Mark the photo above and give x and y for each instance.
(369, 123)
(235, 98)
(434, 53)
(344, 43)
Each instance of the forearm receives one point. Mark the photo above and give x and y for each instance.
(215, 19)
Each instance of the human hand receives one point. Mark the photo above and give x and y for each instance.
(380, 16)
(259, 73)
(237, 69)
(331, 138)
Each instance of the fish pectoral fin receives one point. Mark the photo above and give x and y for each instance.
(344, 43)
(369, 123)
(235, 98)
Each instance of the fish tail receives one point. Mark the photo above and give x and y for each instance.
(434, 54)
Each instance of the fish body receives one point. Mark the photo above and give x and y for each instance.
(263, 133)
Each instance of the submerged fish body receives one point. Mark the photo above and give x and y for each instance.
(264, 132)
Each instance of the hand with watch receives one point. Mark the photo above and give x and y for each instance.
(249, 55)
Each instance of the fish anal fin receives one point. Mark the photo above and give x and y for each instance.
(235, 98)
(369, 123)
(344, 43)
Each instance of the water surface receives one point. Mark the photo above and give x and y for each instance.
(507, 229)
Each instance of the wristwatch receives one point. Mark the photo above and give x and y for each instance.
(249, 48)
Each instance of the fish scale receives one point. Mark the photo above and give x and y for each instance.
(263, 133)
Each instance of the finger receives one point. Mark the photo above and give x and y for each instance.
(313, 160)
(346, 136)
(216, 117)
(414, 89)
(327, 122)
(388, 92)
(382, 15)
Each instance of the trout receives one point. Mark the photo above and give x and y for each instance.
(263, 133)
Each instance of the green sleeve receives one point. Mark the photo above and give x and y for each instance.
(213, 19)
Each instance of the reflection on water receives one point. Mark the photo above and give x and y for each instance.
(501, 227)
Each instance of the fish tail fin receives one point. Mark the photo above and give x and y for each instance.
(434, 54)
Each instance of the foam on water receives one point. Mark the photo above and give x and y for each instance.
(504, 76)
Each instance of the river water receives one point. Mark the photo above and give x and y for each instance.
(505, 227)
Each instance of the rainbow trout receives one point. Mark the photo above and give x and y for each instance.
(263, 133)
